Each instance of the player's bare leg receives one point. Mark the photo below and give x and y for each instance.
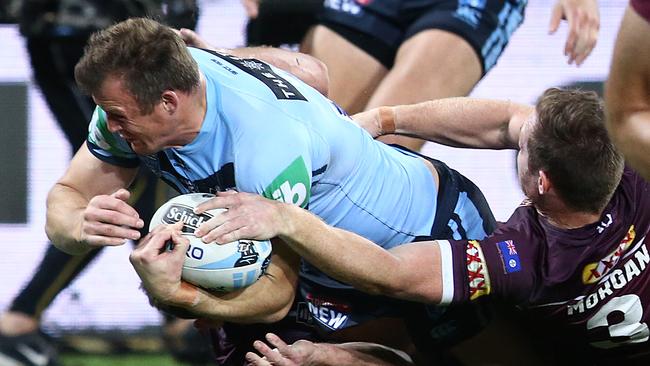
(354, 74)
(432, 64)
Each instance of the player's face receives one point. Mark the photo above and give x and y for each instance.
(527, 179)
(144, 133)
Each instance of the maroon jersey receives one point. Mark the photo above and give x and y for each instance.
(592, 284)
(642, 7)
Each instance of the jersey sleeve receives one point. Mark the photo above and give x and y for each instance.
(108, 146)
(502, 265)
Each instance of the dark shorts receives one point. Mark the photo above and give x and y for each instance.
(282, 22)
(379, 27)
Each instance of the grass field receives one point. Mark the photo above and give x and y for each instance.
(118, 360)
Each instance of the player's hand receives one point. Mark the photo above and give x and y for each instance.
(158, 264)
(109, 220)
(191, 38)
(252, 7)
(299, 353)
(376, 121)
(584, 23)
(248, 216)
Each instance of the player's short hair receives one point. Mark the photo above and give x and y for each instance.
(148, 56)
(571, 145)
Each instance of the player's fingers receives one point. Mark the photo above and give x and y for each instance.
(122, 194)
(214, 223)
(256, 360)
(272, 355)
(92, 227)
(192, 39)
(227, 233)
(103, 241)
(556, 17)
(225, 201)
(120, 212)
(278, 343)
(572, 37)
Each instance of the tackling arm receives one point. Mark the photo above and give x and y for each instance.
(627, 94)
(458, 122)
(341, 254)
(359, 262)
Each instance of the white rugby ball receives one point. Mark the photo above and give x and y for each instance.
(212, 266)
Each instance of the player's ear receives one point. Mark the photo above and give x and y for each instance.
(169, 101)
(543, 183)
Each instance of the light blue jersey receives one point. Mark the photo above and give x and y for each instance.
(267, 132)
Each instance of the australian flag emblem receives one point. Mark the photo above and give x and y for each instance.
(509, 255)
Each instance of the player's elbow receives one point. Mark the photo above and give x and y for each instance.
(313, 72)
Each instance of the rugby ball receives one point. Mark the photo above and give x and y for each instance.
(212, 266)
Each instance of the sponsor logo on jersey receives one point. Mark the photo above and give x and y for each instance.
(345, 6)
(593, 272)
(617, 279)
(477, 272)
(331, 313)
(281, 87)
(292, 185)
(186, 214)
(509, 256)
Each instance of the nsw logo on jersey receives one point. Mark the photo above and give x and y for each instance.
(593, 272)
(292, 185)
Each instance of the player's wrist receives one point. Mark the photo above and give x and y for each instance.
(185, 295)
(386, 120)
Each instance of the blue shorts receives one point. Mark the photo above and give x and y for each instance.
(379, 27)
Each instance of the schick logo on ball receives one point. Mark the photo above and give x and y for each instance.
(186, 214)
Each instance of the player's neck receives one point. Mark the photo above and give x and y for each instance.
(565, 218)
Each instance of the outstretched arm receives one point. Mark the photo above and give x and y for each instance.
(341, 254)
(458, 122)
(627, 93)
(306, 68)
(267, 300)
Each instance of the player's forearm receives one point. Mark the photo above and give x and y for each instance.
(63, 219)
(246, 306)
(357, 354)
(460, 122)
(341, 254)
(626, 93)
(266, 301)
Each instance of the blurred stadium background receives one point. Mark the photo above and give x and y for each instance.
(103, 312)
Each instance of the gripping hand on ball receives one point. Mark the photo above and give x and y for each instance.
(109, 220)
(159, 265)
(248, 216)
